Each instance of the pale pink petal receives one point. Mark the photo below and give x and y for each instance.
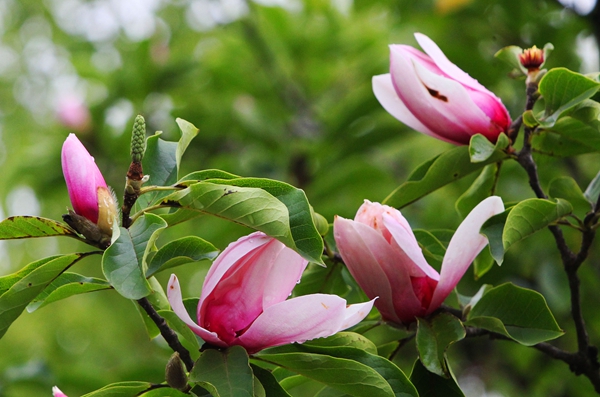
(176, 302)
(407, 242)
(464, 246)
(56, 392)
(447, 67)
(445, 106)
(300, 319)
(385, 93)
(265, 276)
(489, 103)
(83, 178)
(356, 313)
(229, 257)
(378, 269)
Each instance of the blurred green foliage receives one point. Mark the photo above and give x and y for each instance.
(280, 91)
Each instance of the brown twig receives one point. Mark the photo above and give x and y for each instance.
(167, 333)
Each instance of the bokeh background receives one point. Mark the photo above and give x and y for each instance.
(279, 89)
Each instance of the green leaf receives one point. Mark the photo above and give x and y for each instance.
(493, 229)
(434, 335)
(431, 385)
(563, 89)
(341, 339)
(163, 392)
(190, 340)
(181, 251)
(481, 188)
(518, 313)
(179, 215)
(203, 175)
(121, 389)
(160, 164)
(226, 372)
(443, 169)
(592, 192)
(268, 381)
(510, 55)
(566, 188)
(66, 285)
(346, 375)
(19, 289)
(252, 207)
(307, 240)
(123, 263)
(32, 226)
(481, 149)
(529, 216)
(482, 263)
(521, 221)
(432, 248)
(188, 132)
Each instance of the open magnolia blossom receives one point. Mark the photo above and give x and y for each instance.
(243, 300)
(383, 255)
(433, 96)
(90, 197)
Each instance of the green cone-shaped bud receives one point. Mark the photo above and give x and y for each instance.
(138, 139)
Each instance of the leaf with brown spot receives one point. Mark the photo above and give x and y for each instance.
(17, 227)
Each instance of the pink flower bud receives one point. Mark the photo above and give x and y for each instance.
(433, 96)
(384, 257)
(90, 197)
(244, 299)
(57, 393)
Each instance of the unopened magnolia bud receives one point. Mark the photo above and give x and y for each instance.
(138, 139)
(532, 58)
(175, 374)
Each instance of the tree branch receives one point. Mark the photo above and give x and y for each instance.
(167, 333)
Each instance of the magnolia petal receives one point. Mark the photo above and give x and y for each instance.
(264, 276)
(447, 67)
(464, 246)
(176, 302)
(356, 313)
(301, 319)
(229, 257)
(450, 110)
(56, 392)
(385, 93)
(378, 269)
(407, 242)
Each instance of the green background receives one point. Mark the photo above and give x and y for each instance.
(280, 91)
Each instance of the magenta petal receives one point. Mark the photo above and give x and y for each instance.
(83, 178)
(264, 276)
(176, 302)
(380, 270)
(301, 319)
(229, 257)
(464, 246)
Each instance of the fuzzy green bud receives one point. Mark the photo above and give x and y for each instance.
(175, 374)
(138, 139)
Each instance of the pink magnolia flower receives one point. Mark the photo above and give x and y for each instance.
(383, 255)
(433, 96)
(243, 299)
(56, 392)
(74, 114)
(88, 192)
